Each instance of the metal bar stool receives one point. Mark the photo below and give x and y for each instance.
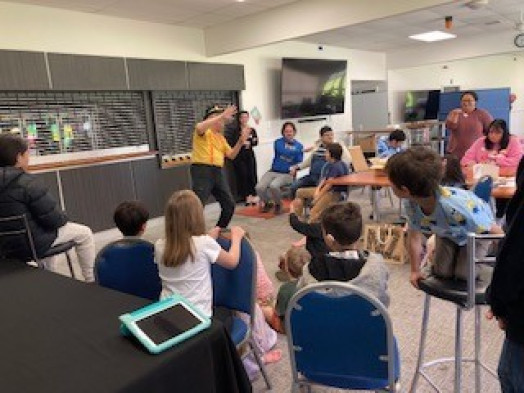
(23, 229)
(466, 295)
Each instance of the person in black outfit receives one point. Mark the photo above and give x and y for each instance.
(21, 193)
(505, 295)
(245, 163)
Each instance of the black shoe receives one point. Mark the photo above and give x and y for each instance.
(278, 209)
(266, 208)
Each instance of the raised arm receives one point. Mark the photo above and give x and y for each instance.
(231, 154)
(212, 121)
(229, 259)
(453, 119)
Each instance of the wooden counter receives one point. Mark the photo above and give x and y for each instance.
(89, 161)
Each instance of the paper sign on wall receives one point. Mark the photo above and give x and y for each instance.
(255, 114)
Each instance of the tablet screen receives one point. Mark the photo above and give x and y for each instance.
(168, 323)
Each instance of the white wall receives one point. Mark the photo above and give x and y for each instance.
(53, 30)
(505, 70)
(262, 72)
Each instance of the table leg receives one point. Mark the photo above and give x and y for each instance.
(375, 193)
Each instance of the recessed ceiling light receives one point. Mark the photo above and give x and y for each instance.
(432, 36)
(240, 1)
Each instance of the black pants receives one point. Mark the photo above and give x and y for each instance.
(245, 174)
(501, 206)
(209, 180)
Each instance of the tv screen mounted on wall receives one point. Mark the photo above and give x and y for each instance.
(421, 105)
(312, 87)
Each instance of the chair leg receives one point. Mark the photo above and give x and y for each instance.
(423, 334)
(477, 349)
(70, 264)
(458, 351)
(388, 191)
(260, 364)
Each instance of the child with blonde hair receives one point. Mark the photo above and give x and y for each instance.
(185, 256)
(292, 263)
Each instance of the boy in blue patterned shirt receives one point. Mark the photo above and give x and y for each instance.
(448, 212)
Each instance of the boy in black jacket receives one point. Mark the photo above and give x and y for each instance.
(22, 194)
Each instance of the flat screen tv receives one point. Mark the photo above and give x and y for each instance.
(421, 105)
(312, 87)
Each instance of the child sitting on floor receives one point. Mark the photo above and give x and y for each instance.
(342, 227)
(293, 262)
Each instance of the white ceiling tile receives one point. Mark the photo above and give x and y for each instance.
(238, 9)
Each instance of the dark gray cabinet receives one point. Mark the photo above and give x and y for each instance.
(91, 194)
(23, 71)
(147, 74)
(78, 72)
(211, 76)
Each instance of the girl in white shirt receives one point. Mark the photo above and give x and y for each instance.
(185, 256)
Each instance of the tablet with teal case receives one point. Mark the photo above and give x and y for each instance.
(165, 323)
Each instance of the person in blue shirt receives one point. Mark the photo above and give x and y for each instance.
(326, 194)
(316, 161)
(391, 144)
(288, 152)
(447, 212)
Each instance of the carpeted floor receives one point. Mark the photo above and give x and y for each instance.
(273, 236)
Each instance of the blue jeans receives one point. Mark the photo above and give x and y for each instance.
(511, 367)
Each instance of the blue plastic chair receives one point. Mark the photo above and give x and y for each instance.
(236, 290)
(341, 336)
(483, 188)
(128, 265)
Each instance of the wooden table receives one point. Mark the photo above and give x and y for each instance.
(377, 179)
(373, 178)
(498, 192)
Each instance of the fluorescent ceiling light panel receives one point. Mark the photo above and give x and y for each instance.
(432, 36)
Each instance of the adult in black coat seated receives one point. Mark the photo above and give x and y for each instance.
(506, 292)
(22, 194)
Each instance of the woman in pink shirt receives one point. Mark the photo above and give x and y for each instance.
(498, 147)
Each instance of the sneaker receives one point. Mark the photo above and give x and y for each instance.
(266, 207)
(278, 208)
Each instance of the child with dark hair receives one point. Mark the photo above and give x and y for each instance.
(21, 193)
(391, 144)
(448, 212)
(325, 193)
(342, 227)
(131, 218)
(452, 175)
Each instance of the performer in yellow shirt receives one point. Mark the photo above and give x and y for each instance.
(209, 151)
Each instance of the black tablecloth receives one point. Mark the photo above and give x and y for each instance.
(62, 335)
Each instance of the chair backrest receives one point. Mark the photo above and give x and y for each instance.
(358, 160)
(474, 258)
(17, 227)
(339, 335)
(128, 265)
(236, 289)
(483, 188)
